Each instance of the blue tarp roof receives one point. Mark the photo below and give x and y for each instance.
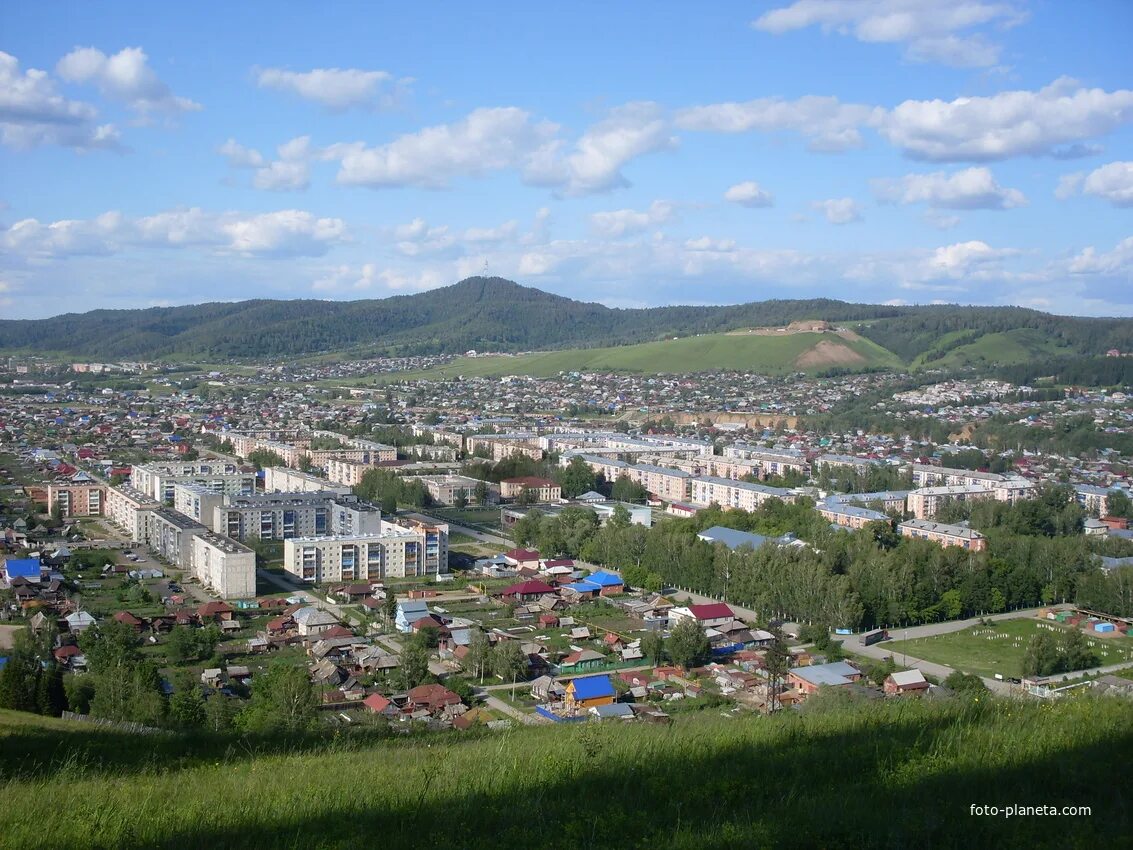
(591, 687)
(25, 567)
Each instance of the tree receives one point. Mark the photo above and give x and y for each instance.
(481, 492)
(220, 713)
(577, 478)
(428, 636)
(187, 705)
(51, 697)
(19, 678)
(479, 655)
(282, 701)
(1119, 504)
(653, 647)
(460, 501)
(261, 458)
(509, 662)
(688, 645)
(626, 490)
(526, 528)
(414, 664)
(777, 661)
(1042, 657)
(389, 606)
(526, 497)
(965, 683)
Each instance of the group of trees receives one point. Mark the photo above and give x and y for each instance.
(263, 458)
(389, 491)
(32, 680)
(1052, 652)
(871, 577)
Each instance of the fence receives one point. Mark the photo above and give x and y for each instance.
(558, 718)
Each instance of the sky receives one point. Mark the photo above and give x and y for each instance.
(634, 154)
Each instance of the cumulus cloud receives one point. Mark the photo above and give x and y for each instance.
(291, 171)
(125, 77)
(1112, 182)
(830, 125)
(929, 29)
(33, 113)
(595, 163)
(418, 239)
(337, 89)
(1118, 262)
(839, 210)
(615, 223)
(285, 233)
(1007, 124)
(959, 259)
(749, 194)
(502, 233)
(239, 156)
(969, 189)
(487, 140)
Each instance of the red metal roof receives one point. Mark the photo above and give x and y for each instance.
(711, 611)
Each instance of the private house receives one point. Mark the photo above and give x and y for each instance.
(520, 558)
(709, 615)
(586, 692)
(28, 569)
(905, 682)
(547, 689)
(377, 704)
(434, 699)
(809, 679)
(78, 622)
(409, 611)
(526, 591)
(583, 659)
(600, 583)
(313, 622)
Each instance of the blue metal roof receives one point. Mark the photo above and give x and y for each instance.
(592, 687)
(584, 586)
(22, 567)
(605, 579)
(731, 538)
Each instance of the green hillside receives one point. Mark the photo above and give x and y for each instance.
(1006, 348)
(492, 314)
(896, 774)
(735, 351)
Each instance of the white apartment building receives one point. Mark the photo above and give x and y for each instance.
(347, 473)
(355, 558)
(444, 489)
(278, 516)
(927, 501)
(283, 479)
(729, 494)
(225, 566)
(925, 475)
(131, 510)
(196, 502)
(672, 485)
(157, 480)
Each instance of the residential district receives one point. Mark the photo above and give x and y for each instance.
(183, 544)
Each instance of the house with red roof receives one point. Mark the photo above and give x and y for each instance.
(129, 619)
(377, 704)
(526, 591)
(214, 611)
(522, 558)
(432, 698)
(709, 615)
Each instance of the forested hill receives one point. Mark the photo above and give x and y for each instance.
(499, 315)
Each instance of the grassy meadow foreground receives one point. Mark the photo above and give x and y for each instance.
(895, 774)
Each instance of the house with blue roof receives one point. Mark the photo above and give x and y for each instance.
(29, 569)
(596, 584)
(586, 692)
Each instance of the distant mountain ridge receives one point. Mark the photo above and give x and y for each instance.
(489, 313)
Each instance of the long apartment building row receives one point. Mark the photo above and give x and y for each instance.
(943, 534)
(662, 482)
(224, 565)
(283, 479)
(501, 446)
(294, 453)
(926, 475)
(729, 494)
(157, 480)
(406, 548)
(926, 502)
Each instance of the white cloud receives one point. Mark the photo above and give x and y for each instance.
(239, 156)
(285, 233)
(627, 132)
(959, 259)
(615, 223)
(830, 125)
(367, 277)
(33, 113)
(928, 28)
(418, 239)
(969, 189)
(707, 243)
(485, 141)
(337, 89)
(503, 233)
(1112, 182)
(749, 194)
(1007, 124)
(1118, 262)
(126, 77)
(839, 210)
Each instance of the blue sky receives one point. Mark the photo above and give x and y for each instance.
(905, 151)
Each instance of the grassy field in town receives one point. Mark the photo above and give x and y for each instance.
(756, 353)
(997, 648)
(898, 774)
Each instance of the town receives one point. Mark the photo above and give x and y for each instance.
(547, 566)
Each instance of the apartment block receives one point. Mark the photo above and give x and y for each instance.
(672, 485)
(279, 516)
(771, 461)
(282, 479)
(225, 566)
(171, 536)
(196, 502)
(609, 468)
(434, 537)
(354, 558)
(849, 516)
(927, 501)
(884, 500)
(729, 494)
(925, 475)
(445, 489)
(131, 510)
(347, 473)
(157, 480)
(1094, 499)
(75, 499)
(944, 534)
(501, 446)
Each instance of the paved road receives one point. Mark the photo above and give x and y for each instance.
(482, 536)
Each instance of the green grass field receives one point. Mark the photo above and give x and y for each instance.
(987, 650)
(1015, 346)
(753, 353)
(902, 773)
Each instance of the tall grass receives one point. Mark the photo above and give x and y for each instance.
(898, 774)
